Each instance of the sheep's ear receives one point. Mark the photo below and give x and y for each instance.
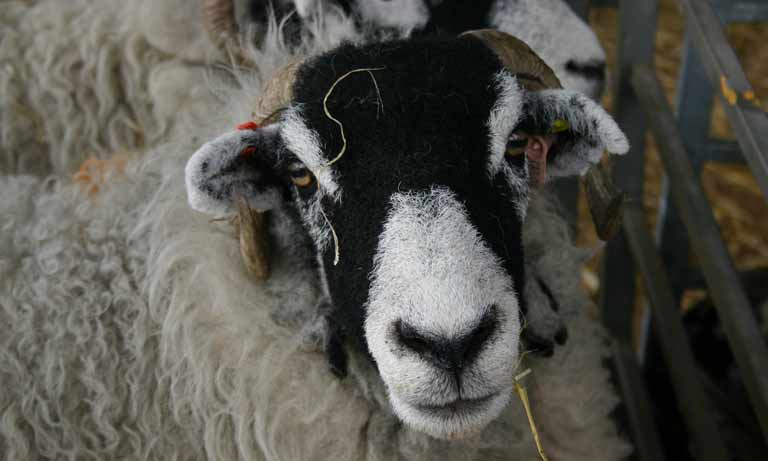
(584, 129)
(237, 164)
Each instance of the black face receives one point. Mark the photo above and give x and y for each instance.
(416, 122)
(413, 157)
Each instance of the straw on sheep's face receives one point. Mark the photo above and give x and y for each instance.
(427, 201)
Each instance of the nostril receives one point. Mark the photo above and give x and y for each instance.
(475, 341)
(412, 339)
(445, 353)
(594, 70)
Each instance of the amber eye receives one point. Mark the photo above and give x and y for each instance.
(516, 145)
(302, 177)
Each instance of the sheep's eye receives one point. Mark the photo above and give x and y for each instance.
(302, 177)
(516, 145)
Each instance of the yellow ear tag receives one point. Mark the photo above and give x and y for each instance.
(559, 125)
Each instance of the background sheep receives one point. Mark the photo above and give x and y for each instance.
(84, 78)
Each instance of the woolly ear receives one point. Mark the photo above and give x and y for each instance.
(237, 164)
(584, 129)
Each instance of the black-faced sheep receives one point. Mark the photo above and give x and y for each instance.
(131, 329)
(408, 164)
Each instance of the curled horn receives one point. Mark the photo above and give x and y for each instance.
(531, 71)
(605, 200)
(218, 18)
(278, 93)
(252, 225)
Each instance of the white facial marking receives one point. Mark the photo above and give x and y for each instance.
(433, 271)
(505, 115)
(305, 144)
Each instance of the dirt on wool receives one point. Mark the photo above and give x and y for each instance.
(737, 201)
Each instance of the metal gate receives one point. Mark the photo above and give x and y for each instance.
(710, 69)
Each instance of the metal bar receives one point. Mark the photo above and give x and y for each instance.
(718, 150)
(724, 71)
(693, 403)
(637, 28)
(751, 11)
(744, 336)
(635, 399)
(742, 430)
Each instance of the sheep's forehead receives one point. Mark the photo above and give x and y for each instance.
(424, 112)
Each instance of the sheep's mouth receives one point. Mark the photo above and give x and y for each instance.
(458, 406)
(453, 420)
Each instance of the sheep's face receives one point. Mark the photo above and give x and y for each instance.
(426, 196)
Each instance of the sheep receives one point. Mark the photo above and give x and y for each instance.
(131, 327)
(84, 79)
(550, 27)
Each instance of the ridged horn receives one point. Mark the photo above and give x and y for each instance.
(252, 225)
(278, 93)
(531, 71)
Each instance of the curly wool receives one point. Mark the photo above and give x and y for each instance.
(84, 78)
(131, 329)
(73, 84)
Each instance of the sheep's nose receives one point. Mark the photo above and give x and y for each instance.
(451, 354)
(593, 70)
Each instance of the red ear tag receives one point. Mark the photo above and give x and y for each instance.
(253, 126)
(248, 151)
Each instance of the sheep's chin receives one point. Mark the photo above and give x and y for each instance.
(451, 424)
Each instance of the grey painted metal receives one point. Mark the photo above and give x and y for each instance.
(693, 108)
(741, 328)
(750, 124)
(637, 26)
(719, 150)
(694, 104)
(744, 11)
(742, 432)
(635, 399)
(693, 402)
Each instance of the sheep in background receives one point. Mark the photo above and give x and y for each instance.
(131, 329)
(82, 79)
(550, 27)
